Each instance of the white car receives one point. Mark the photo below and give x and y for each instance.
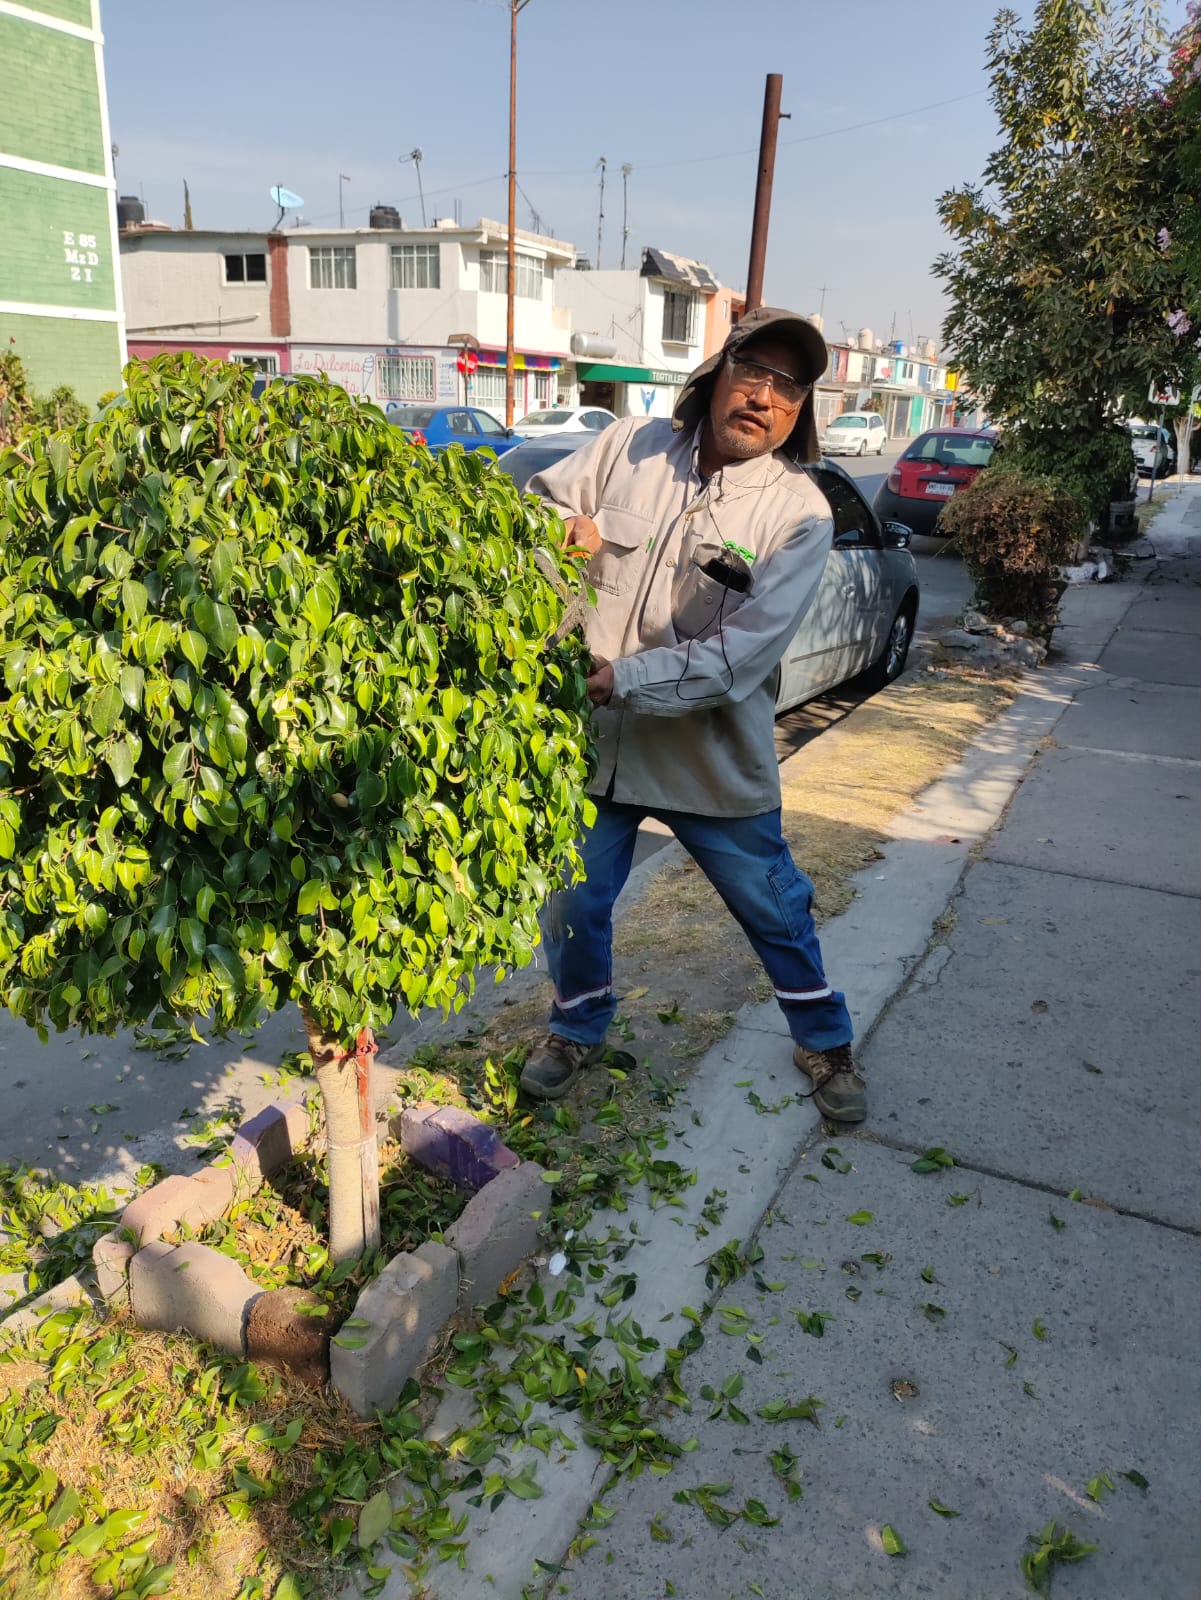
(855, 433)
(564, 419)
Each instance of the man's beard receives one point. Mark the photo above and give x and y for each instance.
(745, 446)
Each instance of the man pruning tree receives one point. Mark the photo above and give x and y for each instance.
(707, 541)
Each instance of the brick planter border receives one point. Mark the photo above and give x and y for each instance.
(399, 1317)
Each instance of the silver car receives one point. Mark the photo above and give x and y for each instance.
(863, 617)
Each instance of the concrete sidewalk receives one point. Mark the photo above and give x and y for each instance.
(1034, 1307)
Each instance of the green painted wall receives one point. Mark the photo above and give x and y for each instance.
(50, 105)
(79, 11)
(55, 245)
(58, 245)
(84, 355)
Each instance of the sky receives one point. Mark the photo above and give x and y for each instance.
(887, 100)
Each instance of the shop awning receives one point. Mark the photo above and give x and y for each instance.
(602, 372)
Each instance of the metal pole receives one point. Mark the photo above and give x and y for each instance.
(510, 356)
(342, 178)
(767, 171)
(600, 221)
(625, 226)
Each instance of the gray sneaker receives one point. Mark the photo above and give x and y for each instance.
(554, 1065)
(838, 1089)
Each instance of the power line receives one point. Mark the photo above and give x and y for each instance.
(750, 150)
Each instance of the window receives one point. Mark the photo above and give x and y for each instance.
(407, 377)
(542, 395)
(416, 266)
(332, 266)
(679, 316)
(853, 522)
(488, 388)
(250, 268)
(460, 422)
(488, 425)
(494, 274)
(260, 363)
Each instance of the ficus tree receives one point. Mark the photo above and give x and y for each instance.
(1059, 290)
(281, 721)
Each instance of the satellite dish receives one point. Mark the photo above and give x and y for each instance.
(285, 199)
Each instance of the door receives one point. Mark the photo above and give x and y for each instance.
(460, 429)
(843, 631)
(492, 432)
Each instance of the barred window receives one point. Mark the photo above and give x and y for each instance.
(679, 319)
(332, 266)
(416, 266)
(407, 377)
(488, 388)
(494, 274)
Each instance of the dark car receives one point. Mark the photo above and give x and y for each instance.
(532, 455)
(439, 426)
(932, 469)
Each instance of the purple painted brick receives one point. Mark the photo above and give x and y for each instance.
(268, 1141)
(455, 1144)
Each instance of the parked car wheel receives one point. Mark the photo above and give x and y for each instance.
(891, 661)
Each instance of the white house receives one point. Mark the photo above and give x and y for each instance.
(382, 310)
(637, 334)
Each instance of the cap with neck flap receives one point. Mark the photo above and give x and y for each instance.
(786, 326)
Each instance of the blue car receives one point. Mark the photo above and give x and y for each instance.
(439, 426)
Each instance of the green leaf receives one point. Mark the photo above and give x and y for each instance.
(1135, 1477)
(893, 1544)
(943, 1511)
(860, 1218)
(523, 1484)
(106, 710)
(288, 1587)
(375, 1519)
(933, 1160)
(193, 647)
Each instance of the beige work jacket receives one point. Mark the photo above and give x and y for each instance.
(690, 726)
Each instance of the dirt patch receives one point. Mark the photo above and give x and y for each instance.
(683, 967)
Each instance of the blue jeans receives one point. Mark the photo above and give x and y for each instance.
(748, 863)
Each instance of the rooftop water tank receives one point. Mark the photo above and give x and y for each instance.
(384, 217)
(593, 345)
(929, 350)
(818, 321)
(864, 338)
(130, 211)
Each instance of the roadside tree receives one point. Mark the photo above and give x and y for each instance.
(1060, 292)
(280, 721)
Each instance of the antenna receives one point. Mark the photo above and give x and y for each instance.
(343, 177)
(414, 156)
(625, 195)
(286, 201)
(600, 221)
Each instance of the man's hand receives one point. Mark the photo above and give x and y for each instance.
(582, 536)
(600, 681)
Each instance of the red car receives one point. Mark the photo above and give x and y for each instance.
(933, 468)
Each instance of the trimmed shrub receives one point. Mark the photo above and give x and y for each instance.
(279, 717)
(1014, 530)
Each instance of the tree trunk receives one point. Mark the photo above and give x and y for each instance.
(344, 1079)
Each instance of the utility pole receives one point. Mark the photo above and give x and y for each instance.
(767, 171)
(600, 221)
(625, 197)
(511, 276)
(342, 178)
(415, 157)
